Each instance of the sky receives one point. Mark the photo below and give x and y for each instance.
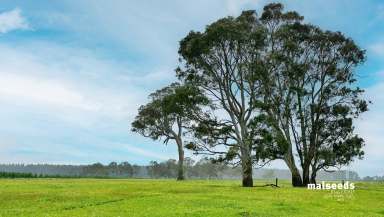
(73, 73)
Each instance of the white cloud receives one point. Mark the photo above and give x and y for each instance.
(380, 11)
(370, 127)
(380, 74)
(41, 90)
(234, 7)
(73, 154)
(60, 99)
(133, 27)
(12, 20)
(144, 152)
(377, 48)
(73, 80)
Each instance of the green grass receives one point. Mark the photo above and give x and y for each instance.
(168, 198)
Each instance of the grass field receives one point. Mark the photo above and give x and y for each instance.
(168, 198)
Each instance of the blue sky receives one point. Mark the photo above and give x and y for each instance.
(73, 73)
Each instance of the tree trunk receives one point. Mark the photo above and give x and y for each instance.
(296, 178)
(306, 175)
(180, 171)
(313, 176)
(247, 171)
(313, 179)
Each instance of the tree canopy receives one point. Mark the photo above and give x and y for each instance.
(280, 87)
(223, 61)
(311, 96)
(168, 116)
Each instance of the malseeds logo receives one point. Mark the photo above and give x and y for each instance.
(332, 186)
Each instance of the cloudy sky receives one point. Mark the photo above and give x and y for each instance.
(73, 73)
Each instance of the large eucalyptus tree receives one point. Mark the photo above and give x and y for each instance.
(310, 93)
(223, 62)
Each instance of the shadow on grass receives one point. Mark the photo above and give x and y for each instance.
(92, 204)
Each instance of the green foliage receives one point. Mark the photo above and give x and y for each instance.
(310, 90)
(17, 175)
(169, 116)
(14, 175)
(169, 106)
(223, 62)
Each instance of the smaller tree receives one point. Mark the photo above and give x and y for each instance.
(168, 116)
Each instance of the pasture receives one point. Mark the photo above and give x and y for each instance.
(168, 198)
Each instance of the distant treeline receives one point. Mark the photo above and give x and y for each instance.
(29, 175)
(167, 169)
(202, 169)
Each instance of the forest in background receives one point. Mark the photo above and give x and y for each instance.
(202, 169)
